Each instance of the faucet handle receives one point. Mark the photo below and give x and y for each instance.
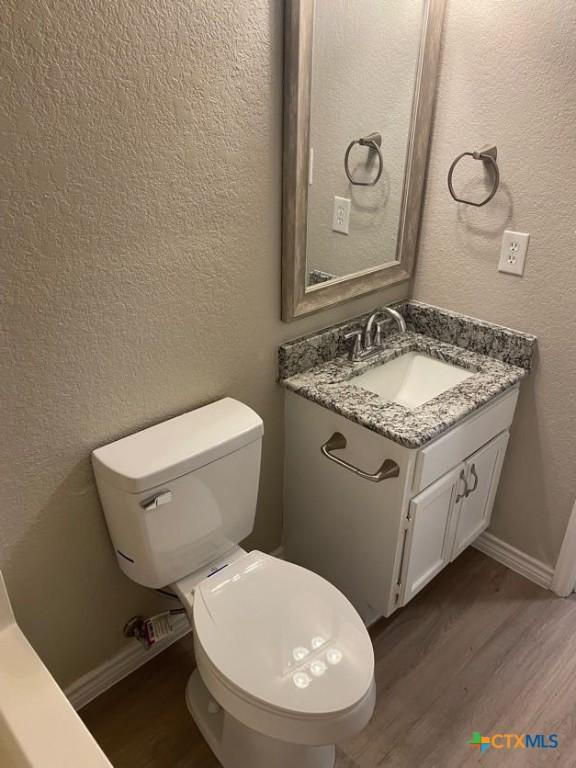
(356, 350)
(378, 333)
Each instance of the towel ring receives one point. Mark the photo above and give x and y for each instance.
(488, 156)
(373, 141)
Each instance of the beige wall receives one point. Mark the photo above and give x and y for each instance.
(364, 67)
(141, 274)
(509, 77)
(140, 254)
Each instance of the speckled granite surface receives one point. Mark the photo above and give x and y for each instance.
(317, 368)
(504, 344)
(496, 341)
(317, 276)
(307, 351)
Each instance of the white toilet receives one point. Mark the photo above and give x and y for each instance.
(285, 664)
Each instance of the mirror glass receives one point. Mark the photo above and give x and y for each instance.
(364, 67)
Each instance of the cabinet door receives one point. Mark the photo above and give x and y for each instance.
(430, 532)
(482, 475)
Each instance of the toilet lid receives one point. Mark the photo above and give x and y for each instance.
(284, 636)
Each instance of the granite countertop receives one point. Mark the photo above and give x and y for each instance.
(317, 368)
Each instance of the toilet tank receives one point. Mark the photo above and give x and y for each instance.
(182, 493)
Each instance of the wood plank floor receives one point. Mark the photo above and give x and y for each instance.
(481, 649)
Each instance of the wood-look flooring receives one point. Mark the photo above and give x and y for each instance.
(480, 649)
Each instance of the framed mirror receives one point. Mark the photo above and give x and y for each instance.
(359, 88)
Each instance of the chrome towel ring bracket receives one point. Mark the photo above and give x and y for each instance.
(488, 157)
(373, 141)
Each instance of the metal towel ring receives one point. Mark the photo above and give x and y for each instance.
(487, 156)
(372, 141)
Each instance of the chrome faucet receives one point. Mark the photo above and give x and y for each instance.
(372, 339)
(369, 341)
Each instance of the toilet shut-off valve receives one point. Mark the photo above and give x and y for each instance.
(149, 631)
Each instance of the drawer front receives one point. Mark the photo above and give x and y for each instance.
(449, 450)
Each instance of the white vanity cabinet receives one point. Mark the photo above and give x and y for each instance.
(481, 476)
(427, 547)
(446, 517)
(381, 542)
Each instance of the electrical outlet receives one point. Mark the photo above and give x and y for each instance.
(513, 252)
(341, 215)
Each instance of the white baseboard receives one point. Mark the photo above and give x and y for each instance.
(565, 574)
(526, 565)
(128, 660)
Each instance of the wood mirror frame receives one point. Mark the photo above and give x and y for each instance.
(297, 298)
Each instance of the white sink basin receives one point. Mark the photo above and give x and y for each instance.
(411, 379)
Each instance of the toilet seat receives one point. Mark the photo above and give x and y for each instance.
(283, 650)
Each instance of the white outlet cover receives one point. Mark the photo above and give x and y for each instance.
(513, 252)
(341, 215)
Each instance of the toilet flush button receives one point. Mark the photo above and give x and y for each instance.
(157, 501)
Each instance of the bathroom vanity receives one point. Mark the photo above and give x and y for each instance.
(393, 463)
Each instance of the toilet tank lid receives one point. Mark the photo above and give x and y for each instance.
(173, 448)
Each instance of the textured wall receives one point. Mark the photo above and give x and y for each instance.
(509, 76)
(364, 66)
(141, 196)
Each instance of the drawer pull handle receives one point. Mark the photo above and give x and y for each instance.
(475, 476)
(465, 492)
(337, 442)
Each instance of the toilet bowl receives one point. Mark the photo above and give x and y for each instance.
(285, 666)
(285, 657)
